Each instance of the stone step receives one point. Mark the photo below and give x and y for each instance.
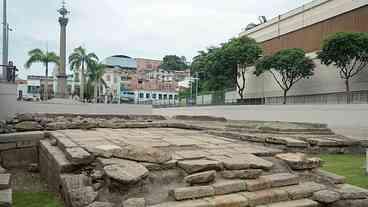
(212, 195)
(288, 141)
(282, 179)
(56, 156)
(296, 203)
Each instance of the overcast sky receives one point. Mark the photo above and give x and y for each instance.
(137, 28)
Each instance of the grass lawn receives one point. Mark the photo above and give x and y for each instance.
(350, 166)
(39, 199)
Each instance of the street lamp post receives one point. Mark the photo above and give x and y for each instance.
(5, 32)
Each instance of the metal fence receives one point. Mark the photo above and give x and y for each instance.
(219, 98)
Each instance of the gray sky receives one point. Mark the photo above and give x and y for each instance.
(137, 28)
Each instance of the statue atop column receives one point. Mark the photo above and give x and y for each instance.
(61, 74)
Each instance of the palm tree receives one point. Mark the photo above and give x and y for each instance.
(80, 59)
(95, 73)
(38, 56)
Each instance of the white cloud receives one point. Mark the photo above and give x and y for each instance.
(138, 28)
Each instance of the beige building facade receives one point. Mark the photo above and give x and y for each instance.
(306, 27)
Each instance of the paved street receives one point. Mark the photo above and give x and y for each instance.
(349, 120)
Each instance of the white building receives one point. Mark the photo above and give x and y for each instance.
(306, 27)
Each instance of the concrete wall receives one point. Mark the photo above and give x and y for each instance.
(8, 100)
(325, 80)
(306, 15)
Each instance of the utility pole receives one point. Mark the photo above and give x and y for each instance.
(5, 45)
(197, 85)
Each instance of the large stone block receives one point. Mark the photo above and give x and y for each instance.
(297, 203)
(57, 157)
(326, 196)
(19, 158)
(82, 197)
(203, 177)
(6, 199)
(258, 184)
(5, 181)
(282, 179)
(229, 186)
(246, 161)
(193, 192)
(300, 161)
(28, 126)
(193, 166)
(78, 156)
(126, 171)
(303, 190)
(134, 202)
(348, 191)
(231, 200)
(144, 154)
(241, 174)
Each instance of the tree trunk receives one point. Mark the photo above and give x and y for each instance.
(81, 92)
(46, 87)
(95, 92)
(347, 85)
(285, 96)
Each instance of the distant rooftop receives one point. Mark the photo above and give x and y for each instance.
(120, 61)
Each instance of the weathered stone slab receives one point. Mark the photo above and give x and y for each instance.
(188, 203)
(9, 145)
(100, 204)
(126, 171)
(303, 190)
(82, 197)
(18, 158)
(299, 161)
(326, 196)
(104, 150)
(199, 118)
(348, 191)
(242, 174)
(193, 192)
(78, 156)
(199, 178)
(28, 126)
(265, 197)
(229, 186)
(257, 184)
(20, 136)
(134, 202)
(157, 167)
(144, 154)
(335, 179)
(296, 203)
(282, 179)
(246, 161)
(71, 181)
(5, 181)
(6, 198)
(288, 141)
(231, 200)
(62, 164)
(193, 166)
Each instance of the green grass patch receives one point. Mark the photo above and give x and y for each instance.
(39, 199)
(350, 166)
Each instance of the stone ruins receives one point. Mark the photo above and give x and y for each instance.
(99, 160)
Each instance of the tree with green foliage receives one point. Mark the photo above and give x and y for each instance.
(223, 66)
(39, 56)
(95, 75)
(287, 67)
(242, 53)
(80, 59)
(348, 52)
(173, 62)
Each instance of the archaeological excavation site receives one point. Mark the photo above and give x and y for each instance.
(101, 160)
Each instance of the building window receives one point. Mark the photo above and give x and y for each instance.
(154, 96)
(115, 79)
(108, 78)
(141, 95)
(148, 95)
(123, 78)
(165, 96)
(160, 96)
(170, 97)
(176, 97)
